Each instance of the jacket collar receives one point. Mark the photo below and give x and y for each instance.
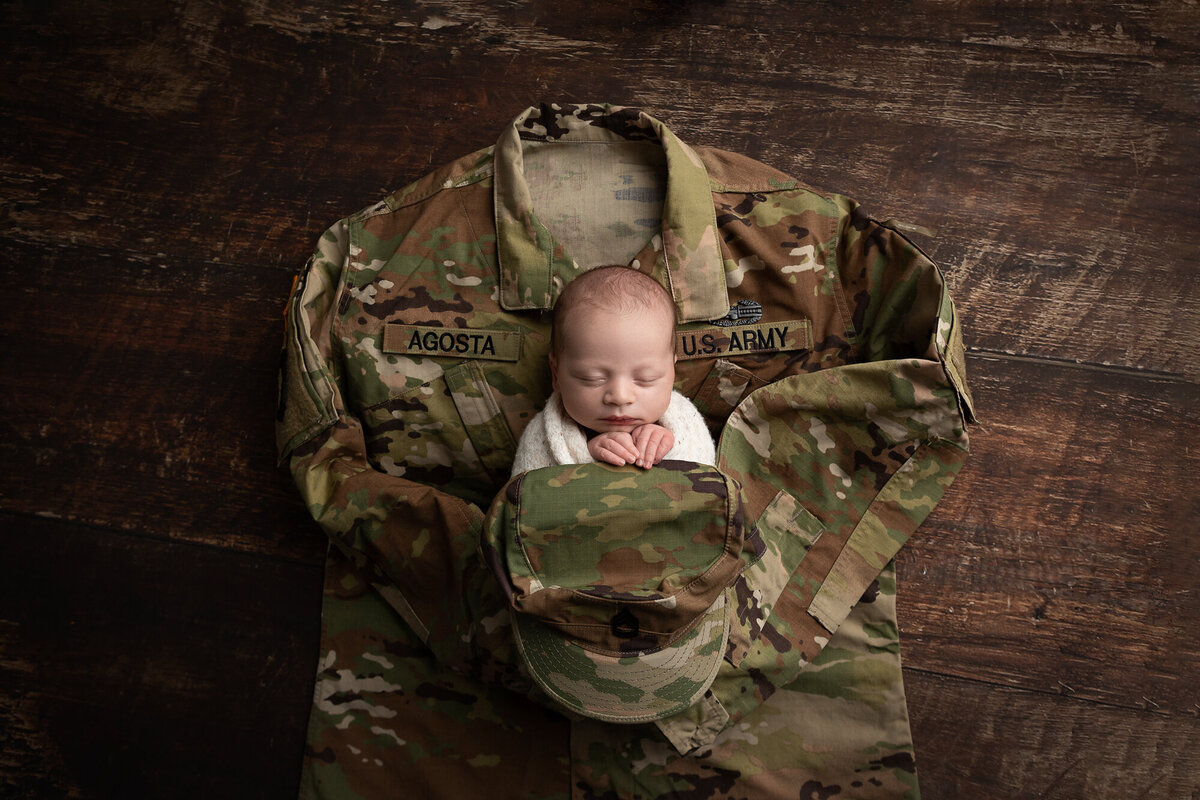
(686, 257)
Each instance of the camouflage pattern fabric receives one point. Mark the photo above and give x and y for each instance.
(619, 582)
(821, 347)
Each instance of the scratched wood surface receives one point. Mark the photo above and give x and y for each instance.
(167, 167)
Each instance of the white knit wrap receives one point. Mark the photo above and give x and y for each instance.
(552, 437)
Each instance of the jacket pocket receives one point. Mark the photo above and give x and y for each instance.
(781, 538)
(723, 388)
(448, 432)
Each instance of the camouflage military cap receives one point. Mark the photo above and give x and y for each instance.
(619, 582)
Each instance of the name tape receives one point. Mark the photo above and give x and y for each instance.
(744, 340)
(420, 340)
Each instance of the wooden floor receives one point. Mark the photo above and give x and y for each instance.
(167, 167)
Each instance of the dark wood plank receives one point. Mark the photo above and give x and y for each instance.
(145, 400)
(135, 667)
(1046, 147)
(988, 743)
(1062, 559)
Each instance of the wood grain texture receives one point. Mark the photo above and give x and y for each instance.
(136, 667)
(1063, 559)
(142, 398)
(1047, 149)
(168, 166)
(1015, 745)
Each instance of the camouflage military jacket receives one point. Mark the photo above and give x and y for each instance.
(820, 345)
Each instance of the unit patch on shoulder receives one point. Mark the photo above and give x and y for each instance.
(744, 340)
(422, 340)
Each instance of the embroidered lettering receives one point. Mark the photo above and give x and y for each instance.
(766, 337)
(422, 340)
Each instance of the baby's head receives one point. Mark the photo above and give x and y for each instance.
(618, 292)
(613, 349)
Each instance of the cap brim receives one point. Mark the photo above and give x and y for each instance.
(639, 687)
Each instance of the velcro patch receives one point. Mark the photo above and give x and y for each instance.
(421, 340)
(744, 340)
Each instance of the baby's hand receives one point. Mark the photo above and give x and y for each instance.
(653, 442)
(614, 447)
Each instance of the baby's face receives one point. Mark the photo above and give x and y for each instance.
(616, 371)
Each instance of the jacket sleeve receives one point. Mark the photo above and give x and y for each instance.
(412, 541)
(840, 466)
(901, 411)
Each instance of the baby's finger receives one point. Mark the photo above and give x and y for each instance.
(623, 443)
(617, 452)
(657, 443)
(605, 452)
(649, 448)
(628, 453)
(611, 458)
(641, 441)
(654, 451)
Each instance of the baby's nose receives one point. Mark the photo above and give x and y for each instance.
(619, 393)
